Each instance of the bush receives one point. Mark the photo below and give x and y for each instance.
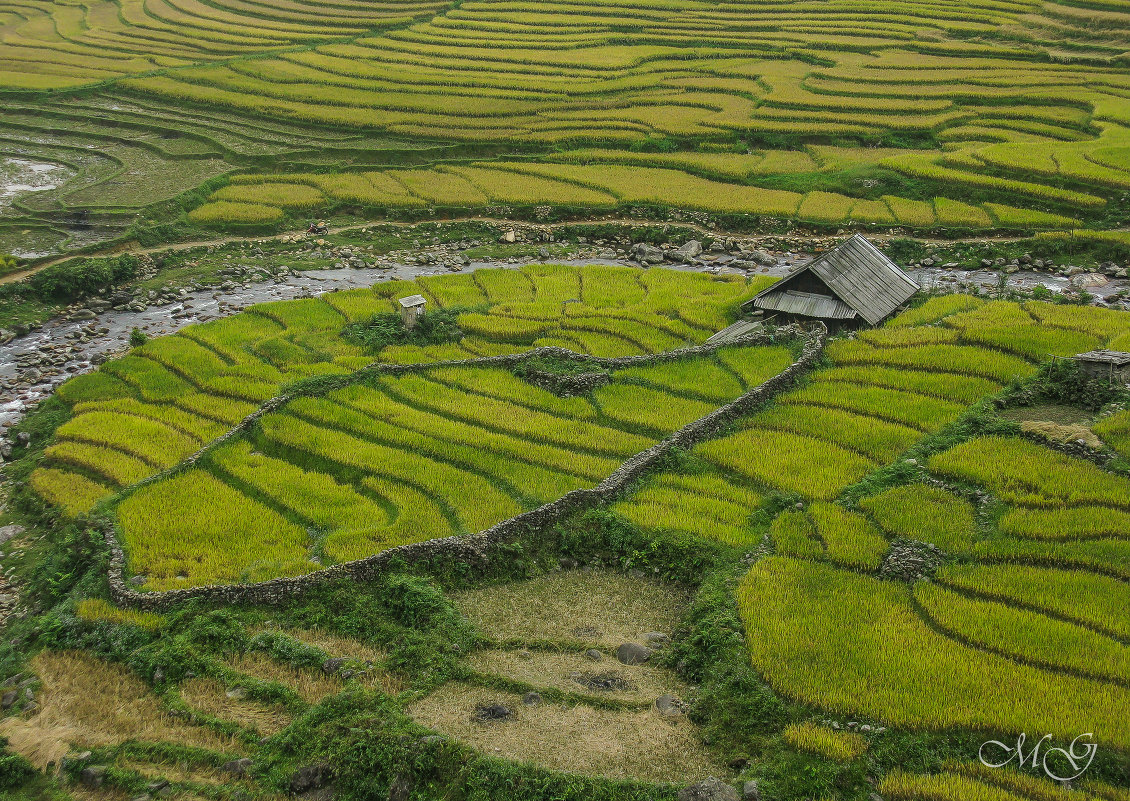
(74, 279)
(433, 328)
(14, 769)
(137, 337)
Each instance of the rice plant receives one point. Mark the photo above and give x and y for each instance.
(1027, 474)
(654, 410)
(926, 514)
(1077, 522)
(1098, 601)
(74, 493)
(811, 467)
(700, 378)
(849, 538)
(793, 534)
(879, 440)
(175, 538)
(935, 309)
(856, 645)
(841, 746)
(906, 408)
(1024, 634)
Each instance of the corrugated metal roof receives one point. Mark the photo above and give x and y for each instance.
(1115, 357)
(806, 303)
(740, 328)
(860, 275)
(413, 300)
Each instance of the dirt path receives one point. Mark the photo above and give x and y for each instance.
(131, 247)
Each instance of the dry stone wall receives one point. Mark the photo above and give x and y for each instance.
(473, 548)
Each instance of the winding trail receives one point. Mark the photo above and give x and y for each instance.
(131, 247)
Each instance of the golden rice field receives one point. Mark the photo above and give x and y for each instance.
(988, 116)
(1029, 596)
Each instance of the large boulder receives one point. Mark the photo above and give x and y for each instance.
(709, 789)
(631, 653)
(647, 254)
(689, 251)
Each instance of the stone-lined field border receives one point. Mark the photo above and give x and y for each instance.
(469, 547)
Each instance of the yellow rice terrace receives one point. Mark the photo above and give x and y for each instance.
(573, 502)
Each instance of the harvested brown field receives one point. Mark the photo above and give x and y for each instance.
(643, 745)
(87, 702)
(180, 772)
(1057, 432)
(336, 645)
(210, 697)
(311, 685)
(583, 608)
(576, 673)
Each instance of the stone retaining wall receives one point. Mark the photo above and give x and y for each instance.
(470, 548)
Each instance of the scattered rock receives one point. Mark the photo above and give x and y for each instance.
(509, 237)
(738, 763)
(8, 699)
(910, 561)
(750, 791)
(333, 665)
(690, 250)
(310, 777)
(631, 653)
(493, 712)
(92, 776)
(531, 699)
(8, 532)
(709, 789)
(401, 787)
(601, 682)
(594, 655)
(656, 639)
(669, 705)
(647, 254)
(237, 767)
(236, 693)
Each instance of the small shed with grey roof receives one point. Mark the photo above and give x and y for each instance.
(1111, 365)
(411, 309)
(850, 285)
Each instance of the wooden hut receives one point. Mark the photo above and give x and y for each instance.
(1108, 365)
(851, 285)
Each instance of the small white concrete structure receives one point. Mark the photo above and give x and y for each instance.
(412, 309)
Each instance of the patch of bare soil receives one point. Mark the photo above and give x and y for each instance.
(1059, 413)
(644, 745)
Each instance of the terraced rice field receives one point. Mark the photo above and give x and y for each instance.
(386, 460)
(992, 115)
(1029, 596)
(1035, 600)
